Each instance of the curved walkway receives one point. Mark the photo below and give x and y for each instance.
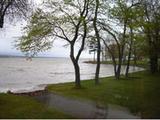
(81, 109)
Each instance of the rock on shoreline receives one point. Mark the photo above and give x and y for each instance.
(33, 93)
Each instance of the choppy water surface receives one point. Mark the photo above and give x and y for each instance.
(19, 75)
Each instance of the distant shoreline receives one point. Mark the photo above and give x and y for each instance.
(10, 56)
(5, 56)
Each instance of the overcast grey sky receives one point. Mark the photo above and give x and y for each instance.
(12, 31)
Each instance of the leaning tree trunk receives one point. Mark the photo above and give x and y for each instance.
(3, 11)
(98, 43)
(76, 68)
(77, 75)
(98, 64)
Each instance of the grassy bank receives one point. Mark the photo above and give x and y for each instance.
(13, 106)
(140, 93)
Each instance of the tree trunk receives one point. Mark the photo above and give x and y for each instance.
(153, 63)
(112, 57)
(98, 43)
(153, 55)
(76, 68)
(118, 73)
(77, 73)
(121, 51)
(155, 51)
(129, 54)
(128, 61)
(115, 69)
(94, 59)
(1, 21)
(98, 64)
(3, 12)
(135, 57)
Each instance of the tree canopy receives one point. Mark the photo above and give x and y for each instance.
(121, 25)
(12, 8)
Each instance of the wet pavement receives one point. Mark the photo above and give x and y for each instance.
(83, 109)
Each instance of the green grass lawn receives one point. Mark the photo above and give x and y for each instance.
(12, 106)
(140, 93)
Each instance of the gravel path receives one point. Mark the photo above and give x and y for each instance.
(81, 109)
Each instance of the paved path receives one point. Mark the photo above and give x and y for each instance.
(81, 109)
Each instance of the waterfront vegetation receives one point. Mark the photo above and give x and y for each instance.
(129, 29)
(16, 107)
(140, 63)
(140, 93)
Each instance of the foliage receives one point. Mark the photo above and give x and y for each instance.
(150, 26)
(37, 38)
(59, 19)
(11, 8)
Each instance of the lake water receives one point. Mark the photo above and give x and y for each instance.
(19, 75)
